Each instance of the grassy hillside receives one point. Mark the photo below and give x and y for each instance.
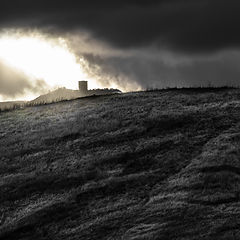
(5, 106)
(148, 165)
(56, 96)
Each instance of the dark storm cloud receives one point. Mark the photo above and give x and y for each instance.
(156, 72)
(14, 83)
(183, 25)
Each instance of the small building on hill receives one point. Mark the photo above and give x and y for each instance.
(83, 87)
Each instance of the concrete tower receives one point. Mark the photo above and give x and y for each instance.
(83, 86)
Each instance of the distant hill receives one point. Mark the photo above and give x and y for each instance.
(56, 96)
(68, 94)
(147, 165)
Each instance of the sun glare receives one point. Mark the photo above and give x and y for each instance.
(41, 58)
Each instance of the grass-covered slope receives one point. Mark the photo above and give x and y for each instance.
(148, 165)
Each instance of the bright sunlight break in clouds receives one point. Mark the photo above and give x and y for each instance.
(42, 58)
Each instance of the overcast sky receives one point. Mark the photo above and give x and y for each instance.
(138, 43)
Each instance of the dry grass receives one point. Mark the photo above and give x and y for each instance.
(148, 165)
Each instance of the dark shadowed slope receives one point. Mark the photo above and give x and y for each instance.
(148, 165)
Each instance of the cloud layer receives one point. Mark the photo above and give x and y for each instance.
(14, 83)
(163, 70)
(182, 25)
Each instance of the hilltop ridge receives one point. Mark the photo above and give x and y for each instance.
(58, 95)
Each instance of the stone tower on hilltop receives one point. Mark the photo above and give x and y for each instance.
(83, 87)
